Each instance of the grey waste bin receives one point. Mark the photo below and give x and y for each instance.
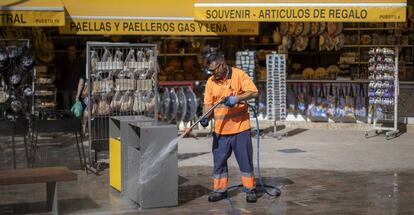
(146, 140)
(118, 152)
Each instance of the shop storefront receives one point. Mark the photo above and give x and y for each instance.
(327, 44)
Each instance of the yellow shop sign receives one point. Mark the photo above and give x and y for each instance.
(157, 27)
(323, 12)
(33, 13)
(32, 18)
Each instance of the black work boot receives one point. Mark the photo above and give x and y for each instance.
(217, 196)
(251, 197)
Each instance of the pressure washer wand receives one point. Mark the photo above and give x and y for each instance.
(188, 130)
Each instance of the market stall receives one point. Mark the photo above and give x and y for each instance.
(327, 45)
(327, 57)
(17, 73)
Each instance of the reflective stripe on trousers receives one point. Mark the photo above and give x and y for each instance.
(223, 146)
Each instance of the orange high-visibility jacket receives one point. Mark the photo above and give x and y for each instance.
(229, 120)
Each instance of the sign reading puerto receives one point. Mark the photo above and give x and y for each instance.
(158, 27)
(322, 14)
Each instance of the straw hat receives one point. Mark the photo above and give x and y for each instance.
(323, 40)
(339, 41)
(292, 28)
(306, 29)
(320, 72)
(308, 73)
(299, 28)
(287, 41)
(391, 40)
(284, 28)
(333, 69)
(365, 39)
(313, 43)
(322, 27)
(314, 28)
(301, 43)
(331, 28)
(330, 45)
(339, 28)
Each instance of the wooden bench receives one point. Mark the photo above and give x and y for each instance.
(48, 175)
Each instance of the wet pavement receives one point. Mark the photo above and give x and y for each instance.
(304, 192)
(329, 189)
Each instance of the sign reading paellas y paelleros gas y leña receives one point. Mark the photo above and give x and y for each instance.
(158, 27)
(327, 14)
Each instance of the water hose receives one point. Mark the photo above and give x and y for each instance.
(275, 191)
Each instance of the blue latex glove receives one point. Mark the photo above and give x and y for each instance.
(231, 101)
(204, 122)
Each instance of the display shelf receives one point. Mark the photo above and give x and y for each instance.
(372, 46)
(196, 38)
(354, 63)
(406, 63)
(327, 81)
(407, 82)
(314, 52)
(261, 44)
(384, 101)
(177, 54)
(176, 84)
(368, 29)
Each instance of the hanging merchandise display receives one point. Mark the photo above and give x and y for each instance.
(173, 106)
(304, 34)
(45, 50)
(123, 79)
(16, 75)
(246, 60)
(191, 104)
(383, 90)
(320, 102)
(276, 89)
(165, 104)
(182, 105)
(361, 108)
(5, 61)
(178, 106)
(317, 110)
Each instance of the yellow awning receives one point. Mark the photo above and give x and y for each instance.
(31, 13)
(132, 17)
(301, 10)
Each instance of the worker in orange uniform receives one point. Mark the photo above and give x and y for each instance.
(231, 124)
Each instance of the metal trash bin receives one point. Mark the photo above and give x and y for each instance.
(118, 152)
(148, 139)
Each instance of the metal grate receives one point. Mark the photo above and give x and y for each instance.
(294, 150)
(246, 60)
(384, 89)
(123, 80)
(276, 86)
